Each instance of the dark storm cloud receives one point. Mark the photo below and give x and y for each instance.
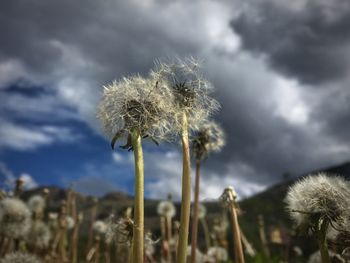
(76, 46)
(309, 42)
(116, 37)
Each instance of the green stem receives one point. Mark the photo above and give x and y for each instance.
(138, 231)
(186, 194)
(195, 213)
(322, 242)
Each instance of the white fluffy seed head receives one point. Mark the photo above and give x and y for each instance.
(202, 211)
(120, 231)
(322, 196)
(191, 91)
(36, 204)
(20, 257)
(210, 137)
(99, 227)
(39, 235)
(69, 222)
(217, 254)
(144, 104)
(166, 208)
(15, 218)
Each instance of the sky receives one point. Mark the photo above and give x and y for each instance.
(280, 70)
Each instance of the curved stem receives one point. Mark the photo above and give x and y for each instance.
(186, 194)
(195, 213)
(138, 232)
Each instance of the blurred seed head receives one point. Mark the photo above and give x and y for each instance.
(200, 257)
(119, 231)
(36, 204)
(20, 257)
(39, 235)
(202, 212)
(217, 254)
(69, 222)
(191, 91)
(166, 208)
(99, 227)
(229, 196)
(15, 218)
(209, 138)
(318, 197)
(150, 244)
(137, 103)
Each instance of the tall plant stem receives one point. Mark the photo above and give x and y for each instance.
(186, 194)
(195, 213)
(169, 237)
(138, 231)
(322, 242)
(236, 235)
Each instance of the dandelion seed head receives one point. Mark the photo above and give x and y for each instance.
(99, 227)
(39, 235)
(217, 254)
(202, 211)
(209, 138)
(20, 257)
(150, 244)
(166, 208)
(137, 103)
(15, 218)
(36, 203)
(229, 196)
(191, 91)
(69, 222)
(119, 231)
(320, 196)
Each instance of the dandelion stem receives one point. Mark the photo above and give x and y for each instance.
(236, 235)
(138, 231)
(195, 213)
(186, 194)
(322, 242)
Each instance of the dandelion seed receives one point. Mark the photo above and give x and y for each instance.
(319, 196)
(99, 227)
(39, 235)
(15, 218)
(136, 103)
(167, 209)
(318, 202)
(190, 89)
(36, 204)
(209, 138)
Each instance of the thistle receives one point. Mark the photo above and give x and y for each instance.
(192, 105)
(209, 138)
(318, 202)
(228, 198)
(136, 108)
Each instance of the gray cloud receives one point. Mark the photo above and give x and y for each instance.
(275, 122)
(308, 40)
